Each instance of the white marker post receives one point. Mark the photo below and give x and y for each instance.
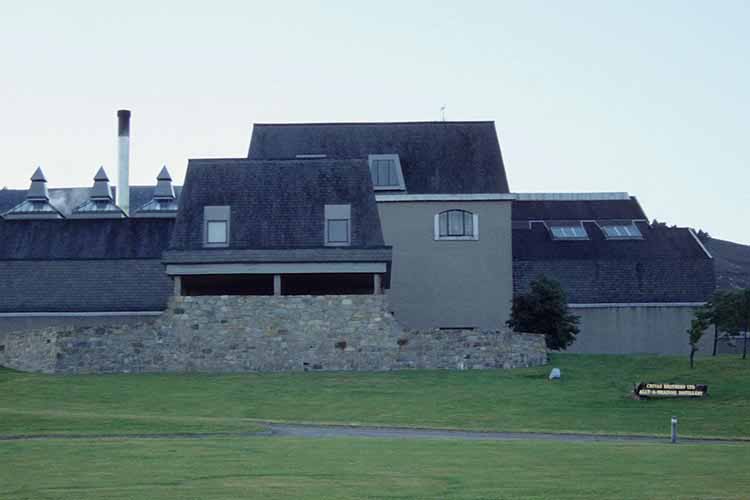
(674, 429)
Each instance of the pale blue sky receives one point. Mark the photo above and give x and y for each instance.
(645, 97)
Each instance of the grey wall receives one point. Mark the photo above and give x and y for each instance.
(437, 284)
(16, 323)
(639, 329)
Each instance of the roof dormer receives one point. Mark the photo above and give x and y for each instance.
(100, 204)
(36, 205)
(163, 203)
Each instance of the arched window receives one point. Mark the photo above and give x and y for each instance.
(456, 225)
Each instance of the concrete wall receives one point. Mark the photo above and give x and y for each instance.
(438, 284)
(236, 334)
(636, 329)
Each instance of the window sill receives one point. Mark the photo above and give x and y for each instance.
(457, 238)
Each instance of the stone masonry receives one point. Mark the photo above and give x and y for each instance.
(287, 333)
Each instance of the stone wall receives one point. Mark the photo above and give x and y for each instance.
(288, 333)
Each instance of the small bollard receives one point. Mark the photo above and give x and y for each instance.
(674, 429)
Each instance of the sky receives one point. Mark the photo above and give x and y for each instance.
(645, 97)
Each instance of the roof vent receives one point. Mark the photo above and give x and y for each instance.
(311, 157)
(163, 203)
(36, 205)
(100, 204)
(164, 189)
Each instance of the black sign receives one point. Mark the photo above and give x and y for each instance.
(645, 390)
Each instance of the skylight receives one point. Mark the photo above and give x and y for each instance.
(570, 231)
(159, 205)
(621, 231)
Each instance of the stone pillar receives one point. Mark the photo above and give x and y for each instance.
(377, 288)
(277, 284)
(177, 286)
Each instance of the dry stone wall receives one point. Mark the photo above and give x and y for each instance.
(288, 333)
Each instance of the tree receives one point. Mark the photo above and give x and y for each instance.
(744, 302)
(544, 309)
(698, 325)
(721, 312)
(729, 312)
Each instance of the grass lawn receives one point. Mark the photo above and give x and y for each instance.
(593, 396)
(285, 468)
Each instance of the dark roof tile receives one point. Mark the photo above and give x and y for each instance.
(277, 204)
(436, 157)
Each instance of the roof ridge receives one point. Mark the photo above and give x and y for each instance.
(280, 160)
(417, 122)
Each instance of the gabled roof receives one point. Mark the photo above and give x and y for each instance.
(90, 265)
(657, 243)
(71, 239)
(277, 204)
(436, 157)
(667, 265)
(84, 286)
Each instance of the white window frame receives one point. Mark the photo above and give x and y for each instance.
(399, 172)
(474, 221)
(568, 226)
(216, 214)
(209, 224)
(618, 226)
(337, 213)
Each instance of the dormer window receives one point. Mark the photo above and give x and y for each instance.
(100, 204)
(164, 202)
(36, 205)
(385, 170)
(216, 226)
(456, 225)
(338, 225)
(216, 232)
(621, 231)
(568, 231)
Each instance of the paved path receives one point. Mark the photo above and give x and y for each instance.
(336, 431)
(330, 431)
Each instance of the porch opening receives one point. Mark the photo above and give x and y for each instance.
(327, 284)
(228, 284)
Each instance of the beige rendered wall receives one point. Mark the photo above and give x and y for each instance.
(636, 329)
(449, 284)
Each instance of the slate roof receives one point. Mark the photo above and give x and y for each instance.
(629, 209)
(277, 204)
(84, 285)
(666, 265)
(436, 157)
(73, 265)
(76, 239)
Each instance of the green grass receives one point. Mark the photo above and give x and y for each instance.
(285, 468)
(593, 396)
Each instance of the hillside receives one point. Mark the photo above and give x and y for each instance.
(732, 263)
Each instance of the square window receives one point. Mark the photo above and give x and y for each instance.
(216, 232)
(338, 231)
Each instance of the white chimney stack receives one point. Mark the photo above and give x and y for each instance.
(123, 160)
